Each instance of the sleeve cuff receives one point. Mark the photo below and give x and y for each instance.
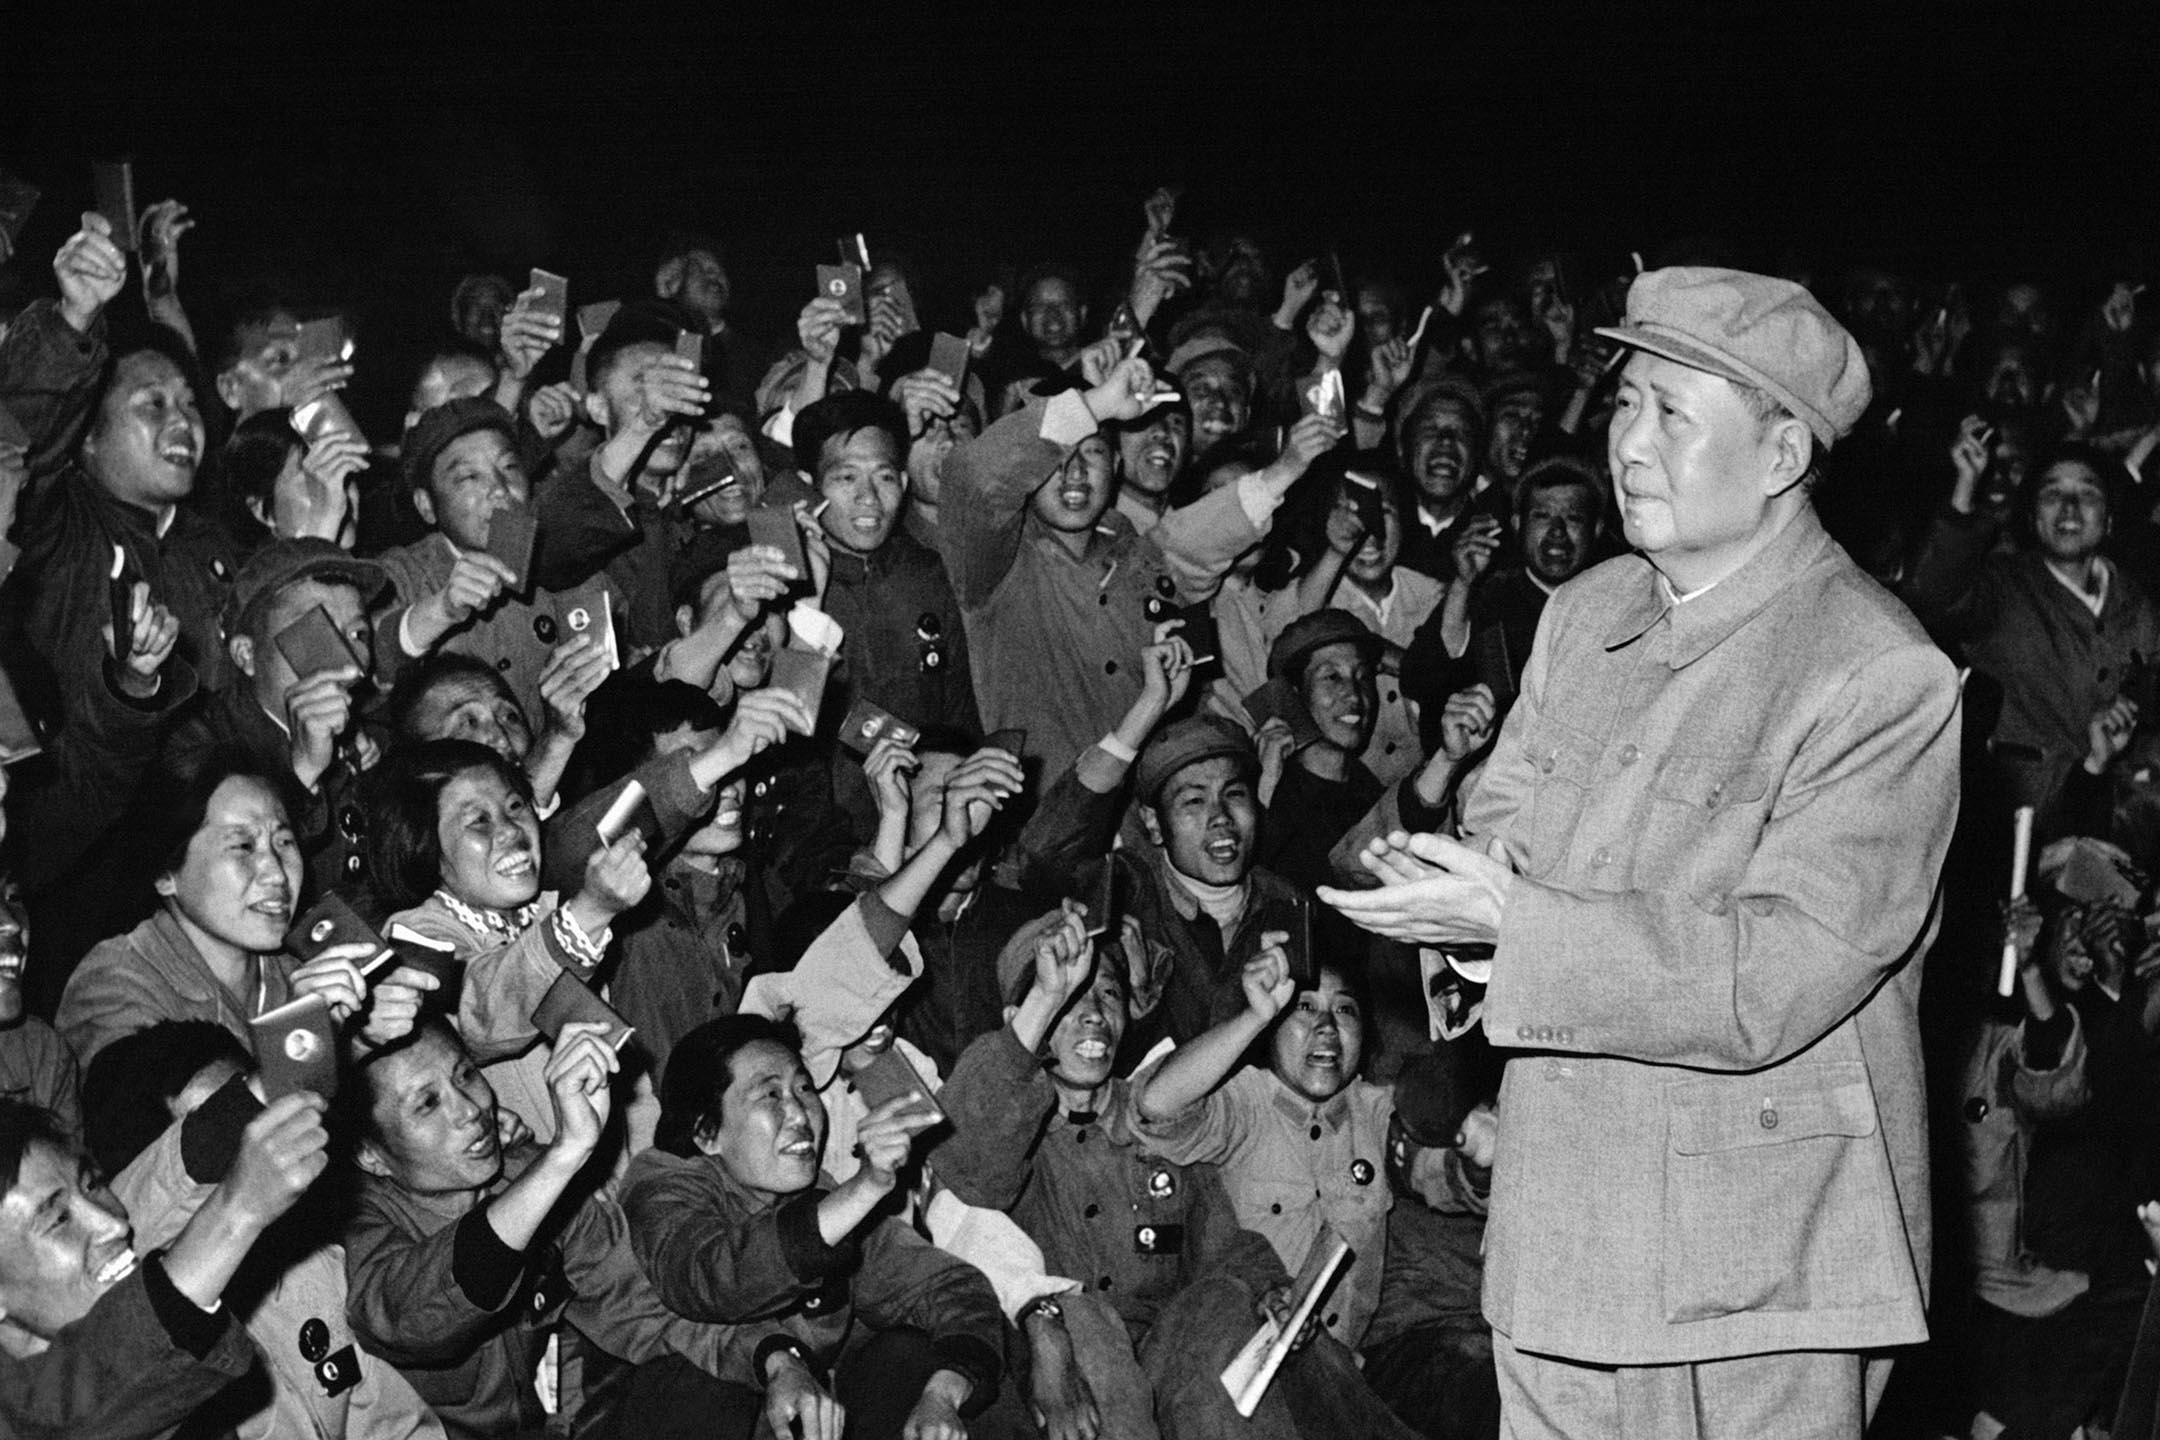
(485, 1269)
(976, 1359)
(809, 1259)
(886, 925)
(781, 427)
(1412, 810)
(191, 1327)
(1117, 749)
(404, 636)
(210, 1137)
(1066, 420)
(580, 951)
(1258, 500)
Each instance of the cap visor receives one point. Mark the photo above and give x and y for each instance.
(1695, 357)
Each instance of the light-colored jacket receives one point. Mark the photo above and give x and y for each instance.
(2004, 1098)
(154, 973)
(1728, 815)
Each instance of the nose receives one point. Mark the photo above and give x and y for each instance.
(102, 1221)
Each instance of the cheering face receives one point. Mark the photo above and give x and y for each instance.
(700, 282)
(1514, 425)
(772, 1123)
(432, 1120)
(470, 707)
(1085, 1040)
(1320, 1040)
(1556, 532)
(1342, 695)
(1500, 329)
(860, 477)
(64, 1242)
(1051, 315)
(1377, 320)
(723, 441)
(1221, 399)
(723, 833)
(240, 876)
(14, 949)
(2011, 381)
(1374, 559)
(147, 439)
(1207, 821)
(475, 476)
(1443, 452)
(268, 348)
(490, 842)
(2070, 512)
(1152, 454)
(1075, 497)
(1689, 463)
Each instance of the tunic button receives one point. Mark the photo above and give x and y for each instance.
(1524, 1032)
(1109, 667)
(1717, 793)
(503, 664)
(1104, 1282)
(1629, 754)
(1092, 1210)
(352, 864)
(1564, 1035)
(1769, 1118)
(1102, 599)
(1550, 762)
(1276, 1208)
(1544, 1032)
(1603, 856)
(1314, 1132)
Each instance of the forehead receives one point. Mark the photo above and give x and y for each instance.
(279, 325)
(1330, 987)
(1212, 371)
(242, 800)
(1646, 371)
(2067, 476)
(429, 1058)
(1339, 656)
(476, 786)
(868, 446)
(1443, 413)
(1206, 777)
(452, 692)
(145, 368)
(482, 447)
(1051, 290)
(45, 1169)
(760, 1061)
(1570, 498)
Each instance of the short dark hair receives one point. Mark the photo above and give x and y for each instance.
(698, 1072)
(404, 844)
(420, 680)
(638, 322)
(2108, 472)
(132, 1081)
(255, 455)
(352, 1112)
(227, 351)
(1557, 472)
(178, 801)
(841, 416)
(625, 718)
(22, 1125)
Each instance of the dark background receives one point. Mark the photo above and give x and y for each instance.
(367, 162)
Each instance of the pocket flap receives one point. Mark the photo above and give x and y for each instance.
(1773, 1108)
(1707, 782)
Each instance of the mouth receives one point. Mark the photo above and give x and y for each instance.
(1091, 1050)
(1075, 497)
(1158, 456)
(485, 1146)
(179, 453)
(1224, 851)
(118, 1268)
(798, 1145)
(274, 907)
(518, 866)
(866, 524)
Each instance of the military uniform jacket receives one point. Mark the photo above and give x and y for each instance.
(1727, 815)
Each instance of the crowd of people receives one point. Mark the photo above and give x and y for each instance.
(980, 699)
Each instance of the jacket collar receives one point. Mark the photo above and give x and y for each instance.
(1699, 625)
(1333, 1112)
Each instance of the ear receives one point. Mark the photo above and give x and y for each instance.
(166, 886)
(706, 1137)
(242, 650)
(260, 511)
(1152, 823)
(1792, 448)
(685, 620)
(424, 503)
(371, 1161)
(1010, 1011)
(596, 407)
(667, 281)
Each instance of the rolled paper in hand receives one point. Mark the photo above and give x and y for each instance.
(2020, 854)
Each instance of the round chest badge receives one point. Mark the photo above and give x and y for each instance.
(579, 620)
(314, 1340)
(320, 931)
(1161, 1184)
(301, 1045)
(544, 629)
(1361, 1171)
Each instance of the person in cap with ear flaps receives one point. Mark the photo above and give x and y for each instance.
(1704, 850)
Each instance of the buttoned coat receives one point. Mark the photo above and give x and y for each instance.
(1728, 815)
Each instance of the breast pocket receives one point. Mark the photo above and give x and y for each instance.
(1777, 1194)
(1706, 813)
(1564, 763)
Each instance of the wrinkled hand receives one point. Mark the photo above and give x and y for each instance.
(669, 386)
(153, 633)
(762, 719)
(335, 975)
(818, 329)
(2021, 922)
(1165, 669)
(1387, 368)
(924, 396)
(2119, 311)
(1310, 438)
(1266, 978)
(527, 334)
(1064, 956)
(2109, 731)
(978, 788)
(162, 226)
(616, 876)
(888, 322)
(574, 670)
(793, 1397)
(577, 1079)
(475, 581)
(1475, 547)
(1463, 264)
(887, 1135)
(91, 269)
(318, 709)
(1123, 394)
(1161, 268)
(393, 1005)
(1969, 455)
(553, 409)
(1434, 891)
(1466, 720)
(1298, 289)
(1331, 326)
(888, 768)
(282, 1150)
